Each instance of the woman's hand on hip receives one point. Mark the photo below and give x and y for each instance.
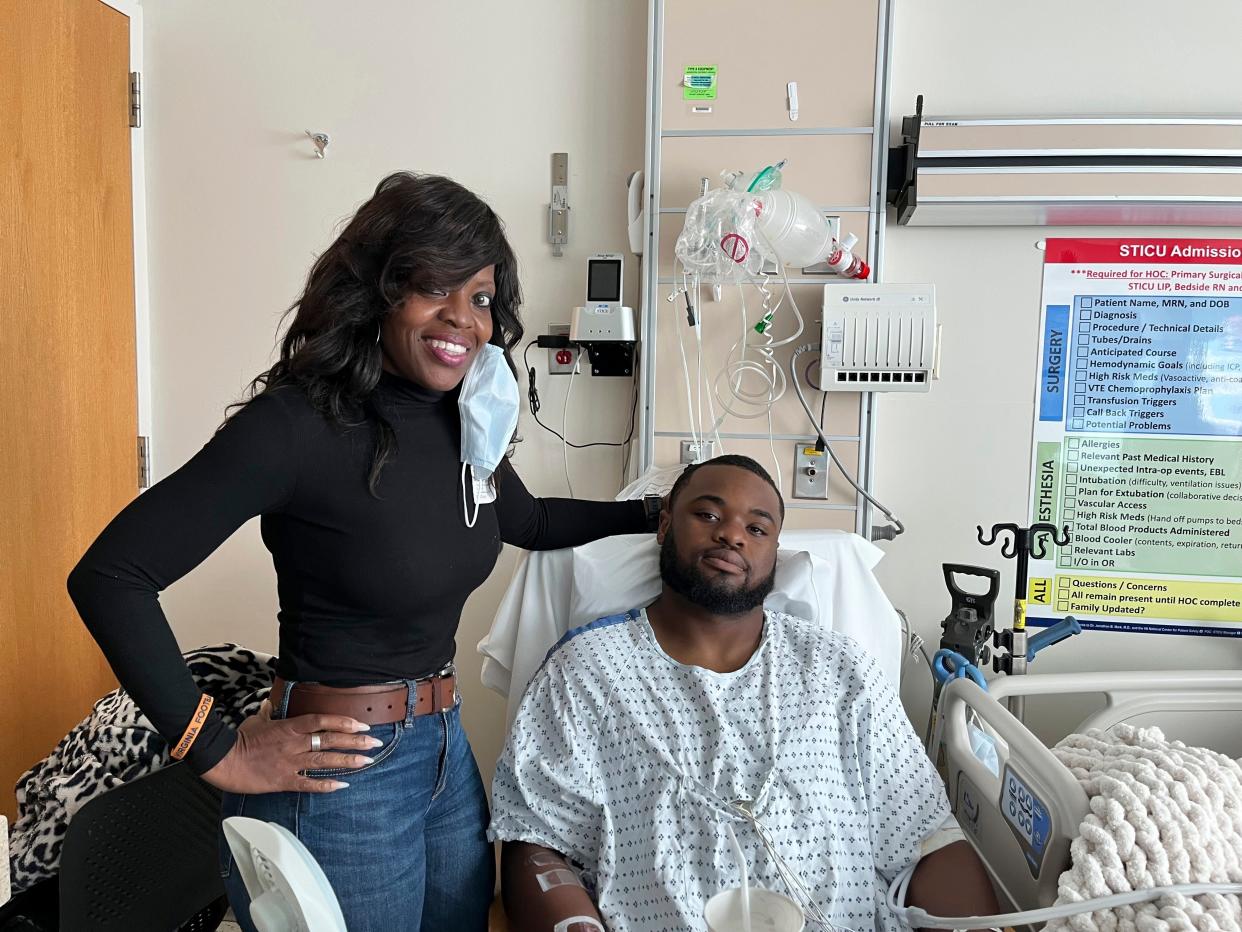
(271, 755)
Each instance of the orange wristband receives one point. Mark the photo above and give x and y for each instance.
(196, 725)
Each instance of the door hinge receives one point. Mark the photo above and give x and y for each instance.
(135, 99)
(144, 462)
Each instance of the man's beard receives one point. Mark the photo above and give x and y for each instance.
(711, 594)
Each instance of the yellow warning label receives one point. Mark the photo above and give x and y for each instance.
(1179, 599)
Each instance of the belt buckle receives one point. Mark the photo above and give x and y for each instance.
(449, 669)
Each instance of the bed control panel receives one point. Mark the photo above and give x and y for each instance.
(1028, 817)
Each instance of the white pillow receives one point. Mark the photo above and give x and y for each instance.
(822, 576)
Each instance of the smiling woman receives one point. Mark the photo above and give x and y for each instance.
(433, 337)
(425, 270)
(353, 448)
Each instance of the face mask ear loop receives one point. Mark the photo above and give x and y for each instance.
(465, 505)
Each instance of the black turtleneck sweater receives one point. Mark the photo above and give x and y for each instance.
(371, 589)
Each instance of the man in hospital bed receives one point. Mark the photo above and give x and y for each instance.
(645, 734)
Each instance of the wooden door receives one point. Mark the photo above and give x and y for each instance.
(67, 355)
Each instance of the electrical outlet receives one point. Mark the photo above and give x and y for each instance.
(561, 361)
(810, 472)
(691, 449)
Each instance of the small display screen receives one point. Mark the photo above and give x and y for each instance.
(604, 280)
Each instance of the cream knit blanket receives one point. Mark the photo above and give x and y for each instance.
(1161, 813)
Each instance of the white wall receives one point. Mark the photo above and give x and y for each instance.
(238, 209)
(485, 92)
(959, 457)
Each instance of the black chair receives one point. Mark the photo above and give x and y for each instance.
(140, 857)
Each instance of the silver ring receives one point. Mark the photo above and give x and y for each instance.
(316, 742)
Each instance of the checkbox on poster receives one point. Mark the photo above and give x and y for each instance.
(1080, 399)
(1070, 479)
(1080, 412)
(1072, 455)
(1069, 515)
(1084, 340)
(1084, 328)
(1076, 424)
(1071, 467)
(1084, 314)
(1063, 605)
(1087, 302)
(1069, 498)
(1080, 365)
(1080, 386)
(1073, 442)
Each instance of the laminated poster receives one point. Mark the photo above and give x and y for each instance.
(1137, 443)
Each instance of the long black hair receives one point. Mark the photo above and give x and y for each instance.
(416, 235)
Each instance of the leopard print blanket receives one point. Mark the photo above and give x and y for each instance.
(113, 745)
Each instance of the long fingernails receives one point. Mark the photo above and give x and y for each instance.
(361, 726)
(339, 784)
(374, 743)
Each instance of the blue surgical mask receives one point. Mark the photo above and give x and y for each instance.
(488, 405)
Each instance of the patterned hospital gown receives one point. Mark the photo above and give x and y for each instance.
(625, 761)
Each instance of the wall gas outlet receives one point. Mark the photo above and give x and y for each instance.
(810, 472)
(691, 450)
(561, 361)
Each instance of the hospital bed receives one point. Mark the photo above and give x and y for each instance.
(820, 575)
(1020, 818)
(1022, 811)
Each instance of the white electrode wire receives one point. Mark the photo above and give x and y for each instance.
(787, 293)
(780, 482)
(793, 374)
(918, 919)
(685, 371)
(565, 423)
(735, 371)
(912, 646)
(714, 429)
(797, 890)
(740, 857)
(698, 364)
(766, 367)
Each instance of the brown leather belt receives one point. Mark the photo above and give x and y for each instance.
(375, 705)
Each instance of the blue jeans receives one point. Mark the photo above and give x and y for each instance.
(404, 845)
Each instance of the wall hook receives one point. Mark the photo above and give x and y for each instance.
(321, 141)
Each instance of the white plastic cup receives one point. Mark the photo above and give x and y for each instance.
(769, 912)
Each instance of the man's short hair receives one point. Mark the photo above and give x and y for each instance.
(728, 459)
